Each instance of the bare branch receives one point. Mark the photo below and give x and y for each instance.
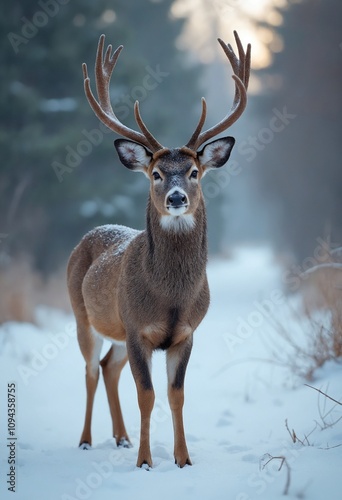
(294, 436)
(323, 393)
(292, 433)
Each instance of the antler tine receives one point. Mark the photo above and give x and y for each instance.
(248, 65)
(241, 66)
(191, 144)
(242, 56)
(241, 69)
(103, 109)
(103, 72)
(154, 144)
(236, 64)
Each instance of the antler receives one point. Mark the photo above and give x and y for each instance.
(241, 69)
(102, 108)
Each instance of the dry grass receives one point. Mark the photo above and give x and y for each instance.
(22, 289)
(313, 335)
(308, 347)
(329, 417)
(322, 291)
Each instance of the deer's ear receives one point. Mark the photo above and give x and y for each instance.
(216, 153)
(133, 155)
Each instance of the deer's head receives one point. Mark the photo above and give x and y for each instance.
(174, 174)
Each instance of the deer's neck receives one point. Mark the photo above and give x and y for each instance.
(176, 254)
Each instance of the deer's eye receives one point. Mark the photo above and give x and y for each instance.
(156, 176)
(194, 174)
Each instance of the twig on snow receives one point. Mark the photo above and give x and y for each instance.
(283, 462)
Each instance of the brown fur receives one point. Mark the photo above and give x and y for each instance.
(153, 295)
(149, 290)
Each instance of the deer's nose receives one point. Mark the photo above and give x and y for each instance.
(177, 199)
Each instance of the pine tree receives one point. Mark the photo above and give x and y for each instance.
(300, 171)
(59, 174)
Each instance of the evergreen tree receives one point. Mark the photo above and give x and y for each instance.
(300, 171)
(59, 174)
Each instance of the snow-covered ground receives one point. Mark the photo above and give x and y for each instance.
(235, 409)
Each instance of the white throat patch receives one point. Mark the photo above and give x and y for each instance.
(177, 223)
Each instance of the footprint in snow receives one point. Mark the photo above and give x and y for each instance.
(236, 448)
(253, 459)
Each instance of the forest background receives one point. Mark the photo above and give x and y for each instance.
(60, 175)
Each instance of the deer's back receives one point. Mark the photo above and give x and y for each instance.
(93, 272)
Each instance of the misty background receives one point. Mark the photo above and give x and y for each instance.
(59, 172)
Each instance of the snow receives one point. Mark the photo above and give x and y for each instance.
(113, 234)
(235, 408)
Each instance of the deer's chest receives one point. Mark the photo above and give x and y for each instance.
(168, 331)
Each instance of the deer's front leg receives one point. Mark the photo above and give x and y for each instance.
(140, 361)
(177, 360)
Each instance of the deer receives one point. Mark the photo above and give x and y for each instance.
(148, 290)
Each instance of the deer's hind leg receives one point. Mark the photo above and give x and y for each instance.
(112, 364)
(90, 345)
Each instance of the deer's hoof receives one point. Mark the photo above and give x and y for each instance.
(145, 464)
(181, 462)
(85, 446)
(124, 443)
